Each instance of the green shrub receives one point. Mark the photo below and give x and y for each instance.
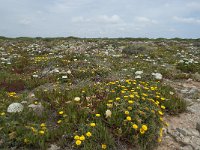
(134, 49)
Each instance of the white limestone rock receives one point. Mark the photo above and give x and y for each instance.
(15, 107)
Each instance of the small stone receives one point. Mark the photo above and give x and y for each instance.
(188, 147)
(182, 131)
(54, 147)
(38, 109)
(157, 76)
(193, 111)
(186, 140)
(194, 132)
(193, 90)
(184, 91)
(15, 107)
(196, 76)
(198, 126)
(24, 102)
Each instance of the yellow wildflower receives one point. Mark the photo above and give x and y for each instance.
(82, 137)
(126, 112)
(88, 134)
(92, 124)
(160, 112)
(159, 139)
(128, 118)
(129, 108)
(142, 131)
(59, 121)
(61, 112)
(76, 137)
(125, 96)
(130, 102)
(135, 126)
(41, 132)
(162, 98)
(163, 107)
(103, 146)
(42, 125)
(26, 140)
(78, 142)
(98, 115)
(144, 127)
(118, 98)
(3, 113)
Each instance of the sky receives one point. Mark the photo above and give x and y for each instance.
(100, 18)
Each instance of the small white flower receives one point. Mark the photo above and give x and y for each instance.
(108, 113)
(35, 76)
(69, 72)
(64, 77)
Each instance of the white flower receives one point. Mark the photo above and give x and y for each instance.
(56, 71)
(77, 99)
(64, 77)
(15, 107)
(108, 113)
(35, 76)
(139, 72)
(69, 72)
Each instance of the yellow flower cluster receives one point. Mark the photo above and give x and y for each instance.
(79, 139)
(12, 94)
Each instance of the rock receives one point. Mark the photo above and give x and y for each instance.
(157, 76)
(54, 147)
(186, 140)
(182, 131)
(198, 126)
(195, 142)
(184, 91)
(190, 109)
(194, 132)
(196, 76)
(193, 90)
(189, 101)
(38, 109)
(188, 147)
(138, 72)
(138, 77)
(15, 107)
(188, 80)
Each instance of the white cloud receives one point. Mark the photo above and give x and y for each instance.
(114, 19)
(102, 19)
(189, 20)
(145, 20)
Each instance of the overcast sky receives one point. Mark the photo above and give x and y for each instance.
(100, 18)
